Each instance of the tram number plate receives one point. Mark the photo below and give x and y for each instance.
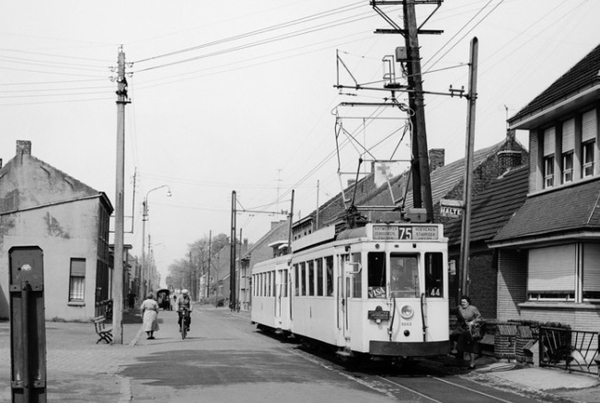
(379, 314)
(405, 232)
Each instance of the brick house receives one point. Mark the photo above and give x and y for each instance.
(549, 253)
(42, 206)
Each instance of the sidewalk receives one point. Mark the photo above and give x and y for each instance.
(80, 370)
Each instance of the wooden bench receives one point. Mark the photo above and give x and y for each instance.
(105, 333)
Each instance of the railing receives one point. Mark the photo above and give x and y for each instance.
(572, 350)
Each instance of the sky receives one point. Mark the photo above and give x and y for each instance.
(248, 95)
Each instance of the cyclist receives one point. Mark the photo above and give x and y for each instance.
(184, 303)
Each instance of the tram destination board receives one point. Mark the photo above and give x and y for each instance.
(405, 232)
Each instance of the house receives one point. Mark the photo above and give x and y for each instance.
(491, 209)
(42, 206)
(548, 252)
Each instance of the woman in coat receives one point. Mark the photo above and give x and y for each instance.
(150, 315)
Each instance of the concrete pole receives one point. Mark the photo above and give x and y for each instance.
(117, 282)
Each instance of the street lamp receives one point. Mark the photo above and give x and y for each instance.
(144, 219)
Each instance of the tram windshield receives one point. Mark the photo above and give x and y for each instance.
(404, 276)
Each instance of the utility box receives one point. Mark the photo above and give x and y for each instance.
(401, 54)
(27, 325)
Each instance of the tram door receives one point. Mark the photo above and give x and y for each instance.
(345, 280)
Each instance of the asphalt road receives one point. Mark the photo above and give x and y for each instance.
(225, 359)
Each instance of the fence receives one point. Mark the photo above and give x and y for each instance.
(571, 350)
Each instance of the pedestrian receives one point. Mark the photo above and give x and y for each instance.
(468, 317)
(149, 310)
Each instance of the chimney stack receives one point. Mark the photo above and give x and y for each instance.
(437, 158)
(23, 147)
(509, 159)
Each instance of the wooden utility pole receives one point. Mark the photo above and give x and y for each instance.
(232, 293)
(466, 219)
(420, 169)
(117, 280)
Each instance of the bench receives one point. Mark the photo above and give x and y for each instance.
(105, 333)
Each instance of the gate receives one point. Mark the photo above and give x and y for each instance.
(571, 350)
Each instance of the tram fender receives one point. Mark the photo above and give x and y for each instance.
(415, 349)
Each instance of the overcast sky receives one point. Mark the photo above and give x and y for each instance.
(239, 95)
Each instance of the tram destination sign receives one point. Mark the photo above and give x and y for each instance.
(405, 232)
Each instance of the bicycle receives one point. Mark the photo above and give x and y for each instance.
(185, 322)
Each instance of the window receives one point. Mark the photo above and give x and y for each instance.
(591, 272)
(302, 278)
(548, 172)
(311, 278)
(285, 283)
(404, 276)
(552, 273)
(567, 170)
(329, 275)
(434, 274)
(319, 263)
(376, 274)
(589, 154)
(296, 280)
(357, 277)
(77, 280)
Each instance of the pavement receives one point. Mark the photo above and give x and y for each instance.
(79, 370)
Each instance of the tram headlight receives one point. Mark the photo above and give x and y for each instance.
(407, 312)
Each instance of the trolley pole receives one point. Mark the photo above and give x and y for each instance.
(466, 219)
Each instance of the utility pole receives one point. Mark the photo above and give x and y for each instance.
(466, 219)
(117, 281)
(420, 165)
(232, 299)
(208, 270)
(421, 179)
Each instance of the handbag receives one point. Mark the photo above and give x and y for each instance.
(475, 332)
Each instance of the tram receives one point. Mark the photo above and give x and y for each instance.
(380, 290)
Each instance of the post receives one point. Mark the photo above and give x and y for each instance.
(421, 179)
(142, 271)
(291, 215)
(466, 219)
(117, 282)
(232, 299)
(208, 270)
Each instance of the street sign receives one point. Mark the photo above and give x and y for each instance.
(451, 208)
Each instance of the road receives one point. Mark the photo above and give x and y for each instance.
(225, 359)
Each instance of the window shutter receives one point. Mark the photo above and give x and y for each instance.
(549, 141)
(591, 267)
(589, 126)
(552, 269)
(568, 139)
(78, 267)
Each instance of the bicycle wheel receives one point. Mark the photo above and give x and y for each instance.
(183, 332)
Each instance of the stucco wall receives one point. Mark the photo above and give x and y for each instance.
(63, 231)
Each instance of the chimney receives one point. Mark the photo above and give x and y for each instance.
(23, 147)
(437, 158)
(509, 159)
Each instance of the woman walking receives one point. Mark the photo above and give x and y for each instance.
(150, 315)
(468, 317)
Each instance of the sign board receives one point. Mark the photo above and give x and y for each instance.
(451, 208)
(405, 232)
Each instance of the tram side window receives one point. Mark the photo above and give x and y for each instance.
(302, 278)
(434, 274)
(329, 275)
(319, 263)
(285, 283)
(296, 280)
(311, 277)
(376, 273)
(357, 276)
(404, 276)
